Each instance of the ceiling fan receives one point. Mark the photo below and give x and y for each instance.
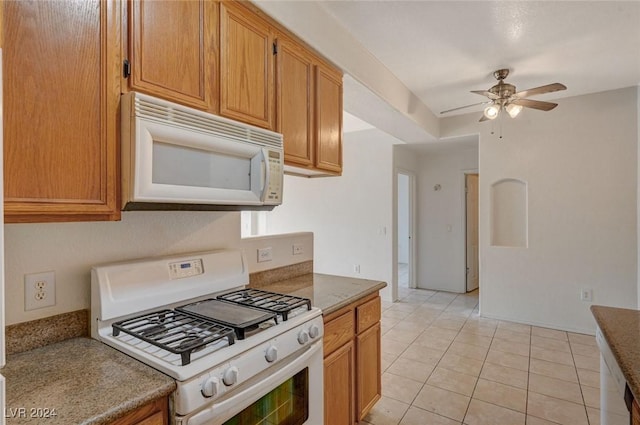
(503, 96)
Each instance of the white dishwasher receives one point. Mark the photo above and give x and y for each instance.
(615, 397)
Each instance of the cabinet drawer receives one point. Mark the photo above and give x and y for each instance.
(368, 314)
(338, 332)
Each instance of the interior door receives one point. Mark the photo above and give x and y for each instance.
(471, 189)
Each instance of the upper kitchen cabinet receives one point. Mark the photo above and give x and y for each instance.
(61, 94)
(172, 51)
(246, 66)
(309, 109)
(294, 88)
(328, 99)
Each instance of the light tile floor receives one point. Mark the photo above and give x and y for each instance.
(403, 275)
(444, 365)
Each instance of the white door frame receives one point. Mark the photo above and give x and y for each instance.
(412, 226)
(464, 220)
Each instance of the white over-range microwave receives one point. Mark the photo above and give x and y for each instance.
(176, 157)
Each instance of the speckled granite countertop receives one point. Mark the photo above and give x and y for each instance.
(85, 381)
(329, 293)
(621, 328)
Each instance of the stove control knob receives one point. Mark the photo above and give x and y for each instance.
(314, 331)
(272, 354)
(230, 376)
(210, 387)
(303, 337)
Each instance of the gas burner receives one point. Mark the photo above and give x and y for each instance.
(192, 340)
(154, 331)
(174, 331)
(267, 301)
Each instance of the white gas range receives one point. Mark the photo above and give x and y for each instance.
(238, 355)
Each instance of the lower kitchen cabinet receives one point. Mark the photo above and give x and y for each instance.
(154, 413)
(352, 363)
(368, 365)
(339, 382)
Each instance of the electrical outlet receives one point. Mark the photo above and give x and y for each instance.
(39, 290)
(356, 268)
(297, 249)
(264, 254)
(586, 294)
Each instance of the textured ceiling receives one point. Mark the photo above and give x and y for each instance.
(443, 49)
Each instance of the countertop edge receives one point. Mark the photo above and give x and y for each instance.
(119, 412)
(348, 301)
(623, 361)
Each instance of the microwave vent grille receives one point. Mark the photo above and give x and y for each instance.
(166, 112)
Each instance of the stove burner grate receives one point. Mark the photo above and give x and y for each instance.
(175, 331)
(269, 301)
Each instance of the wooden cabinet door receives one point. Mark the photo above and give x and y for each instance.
(294, 87)
(173, 50)
(61, 96)
(328, 99)
(339, 373)
(246, 66)
(368, 365)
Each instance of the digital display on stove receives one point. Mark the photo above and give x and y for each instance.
(185, 269)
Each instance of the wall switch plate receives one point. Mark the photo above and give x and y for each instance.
(39, 290)
(586, 295)
(264, 254)
(297, 249)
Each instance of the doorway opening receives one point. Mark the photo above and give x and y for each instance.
(405, 230)
(471, 234)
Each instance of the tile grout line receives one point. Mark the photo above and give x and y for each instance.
(584, 402)
(409, 345)
(445, 351)
(468, 319)
(479, 373)
(437, 363)
(526, 401)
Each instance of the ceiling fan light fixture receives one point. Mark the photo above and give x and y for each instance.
(513, 110)
(491, 111)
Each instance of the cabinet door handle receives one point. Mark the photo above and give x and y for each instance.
(126, 68)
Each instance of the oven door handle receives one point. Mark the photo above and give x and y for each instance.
(217, 413)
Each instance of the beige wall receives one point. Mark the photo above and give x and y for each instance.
(71, 249)
(579, 163)
(350, 216)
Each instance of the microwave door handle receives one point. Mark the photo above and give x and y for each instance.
(265, 175)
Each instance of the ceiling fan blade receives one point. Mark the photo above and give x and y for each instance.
(468, 106)
(490, 95)
(541, 90)
(483, 119)
(535, 104)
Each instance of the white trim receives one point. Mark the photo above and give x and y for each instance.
(464, 224)
(412, 224)
(586, 331)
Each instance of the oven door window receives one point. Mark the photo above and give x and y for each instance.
(287, 404)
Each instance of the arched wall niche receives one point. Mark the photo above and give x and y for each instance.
(509, 213)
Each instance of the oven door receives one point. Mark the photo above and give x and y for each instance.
(291, 394)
